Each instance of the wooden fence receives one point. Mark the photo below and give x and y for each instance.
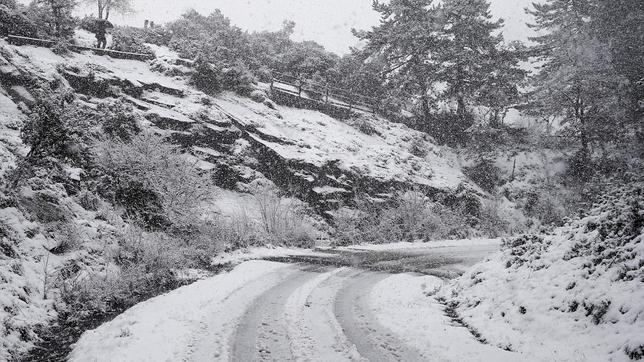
(23, 40)
(323, 94)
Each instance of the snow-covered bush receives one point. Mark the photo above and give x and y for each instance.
(14, 21)
(213, 78)
(57, 127)
(283, 219)
(485, 173)
(411, 216)
(363, 124)
(118, 119)
(152, 181)
(576, 290)
(258, 96)
(127, 39)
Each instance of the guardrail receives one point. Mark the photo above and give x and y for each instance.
(24, 40)
(323, 93)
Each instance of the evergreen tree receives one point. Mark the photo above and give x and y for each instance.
(406, 40)
(576, 82)
(470, 53)
(53, 17)
(448, 54)
(620, 25)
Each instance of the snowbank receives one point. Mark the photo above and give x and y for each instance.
(403, 303)
(574, 295)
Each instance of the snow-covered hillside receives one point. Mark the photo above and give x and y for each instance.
(575, 294)
(322, 158)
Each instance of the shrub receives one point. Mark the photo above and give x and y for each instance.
(491, 222)
(485, 174)
(88, 200)
(283, 220)
(258, 96)
(418, 148)
(550, 206)
(62, 47)
(53, 19)
(127, 39)
(69, 236)
(410, 216)
(57, 127)
(118, 120)
(146, 263)
(212, 78)
(151, 179)
(364, 125)
(14, 21)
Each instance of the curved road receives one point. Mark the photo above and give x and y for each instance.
(322, 313)
(346, 305)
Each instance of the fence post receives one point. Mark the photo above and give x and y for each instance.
(327, 94)
(299, 89)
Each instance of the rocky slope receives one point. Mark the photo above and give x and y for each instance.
(46, 233)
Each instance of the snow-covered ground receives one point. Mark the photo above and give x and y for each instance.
(403, 304)
(573, 295)
(262, 252)
(168, 327)
(403, 245)
(284, 312)
(316, 138)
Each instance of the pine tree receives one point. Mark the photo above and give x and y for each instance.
(469, 53)
(576, 82)
(620, 25)
(446, 54)
(406, 40)
(53, 17)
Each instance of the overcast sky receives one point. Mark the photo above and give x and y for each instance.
(328, 22)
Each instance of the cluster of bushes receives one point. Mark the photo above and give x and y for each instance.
(212, 77)
(128, 39)
(47, 19)
(411, 216)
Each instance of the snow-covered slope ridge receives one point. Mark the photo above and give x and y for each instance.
(323, 158)
(577, 294)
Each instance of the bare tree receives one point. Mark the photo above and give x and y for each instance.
(106, 6)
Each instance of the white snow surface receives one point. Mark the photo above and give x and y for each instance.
(168, 327)
(403, 245)
(316, 138)
(404, 304)
(573, 295)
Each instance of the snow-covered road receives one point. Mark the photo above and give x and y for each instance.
(269, 311)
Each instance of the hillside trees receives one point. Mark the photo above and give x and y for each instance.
(449, 56)
(585, 79)
(620, 25)
(53, 18)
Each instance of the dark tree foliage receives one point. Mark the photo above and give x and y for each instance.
(446, 56)
(588, 79)
(53, 18)
(56, 128)
(15, 20)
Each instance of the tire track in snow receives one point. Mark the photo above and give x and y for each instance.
(262, 334)
(372, 340)
(211, 342)
(314, 332)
